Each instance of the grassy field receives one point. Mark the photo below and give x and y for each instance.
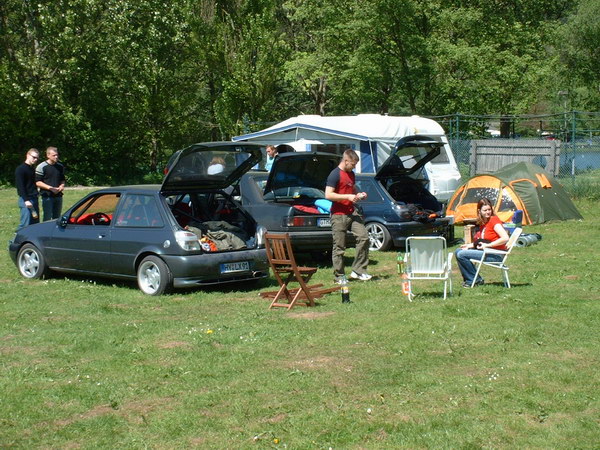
(91, 363)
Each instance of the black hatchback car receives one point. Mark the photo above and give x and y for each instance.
(187, 232)
(291, 197)
(287, 199)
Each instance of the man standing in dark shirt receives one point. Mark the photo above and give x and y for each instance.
(341, 190)
(50, 178)
(26, 189)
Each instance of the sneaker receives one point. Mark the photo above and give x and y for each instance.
(361, 277)
(340, 280)
(477, 283)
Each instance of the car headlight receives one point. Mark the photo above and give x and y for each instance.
(260, 236)
(187, 240)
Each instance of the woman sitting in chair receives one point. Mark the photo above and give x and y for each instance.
(491, 234)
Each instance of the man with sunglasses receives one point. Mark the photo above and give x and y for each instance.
(27, 190)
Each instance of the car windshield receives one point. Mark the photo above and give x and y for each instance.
(214, 163)
(289, 192)
(295, 192)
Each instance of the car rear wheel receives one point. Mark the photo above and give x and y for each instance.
(379, 237)
(154, 276)
(31, 262)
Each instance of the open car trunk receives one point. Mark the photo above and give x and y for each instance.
(401, 173)
(219, 222)
(412, 191)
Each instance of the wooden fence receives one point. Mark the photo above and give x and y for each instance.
(489, 155)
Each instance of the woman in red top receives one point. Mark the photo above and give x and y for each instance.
(491, 235)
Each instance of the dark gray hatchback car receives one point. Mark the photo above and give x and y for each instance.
(187, 232)
(288, 199)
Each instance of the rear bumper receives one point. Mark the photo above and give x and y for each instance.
(304, 241)
(400, 231)
(205, 269)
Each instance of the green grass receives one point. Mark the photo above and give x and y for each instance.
(584, 185)
(95, 363)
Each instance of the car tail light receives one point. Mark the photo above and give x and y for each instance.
(187, 240)
(300, 221)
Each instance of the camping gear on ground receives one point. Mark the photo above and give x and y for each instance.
(519, 186)
(525, 240)
(497, 264)
(427, 258)
(515, 222)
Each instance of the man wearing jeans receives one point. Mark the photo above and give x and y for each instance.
(50, 178)
(341, 190)
(26, 189)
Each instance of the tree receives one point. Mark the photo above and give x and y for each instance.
(579, 51)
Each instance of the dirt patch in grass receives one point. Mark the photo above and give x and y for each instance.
(276, 419)
(310, 315)
(321, 362)
(173, 344)
(17, 350)
(133, 412)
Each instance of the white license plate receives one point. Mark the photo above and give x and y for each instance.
(324, 222)
(242, 266)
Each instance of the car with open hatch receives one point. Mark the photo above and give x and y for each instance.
(186, 232)
(291, 197)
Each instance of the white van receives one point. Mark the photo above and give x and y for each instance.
(372, 136)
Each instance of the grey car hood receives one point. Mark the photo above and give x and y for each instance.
(306, 169)
(409, 155)
(212, 165)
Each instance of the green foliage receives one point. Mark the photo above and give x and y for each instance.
(120, 85)
(580, 39)
(88, 362)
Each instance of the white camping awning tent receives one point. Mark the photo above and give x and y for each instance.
(371, 135)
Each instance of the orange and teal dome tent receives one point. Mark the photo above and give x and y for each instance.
(521, 185)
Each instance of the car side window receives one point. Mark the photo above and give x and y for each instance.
(139, 211)
(369, 187)
(96, 210)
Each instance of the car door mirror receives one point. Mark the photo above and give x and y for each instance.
(63, 221)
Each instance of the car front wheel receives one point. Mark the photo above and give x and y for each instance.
(154, 276)
(379, 237)
(31, 262)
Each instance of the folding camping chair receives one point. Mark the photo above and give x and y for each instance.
(498, 264)
(427, 258)
(286, 271)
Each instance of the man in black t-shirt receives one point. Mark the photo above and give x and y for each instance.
(50, 178)
(342, 191)
(26, 189)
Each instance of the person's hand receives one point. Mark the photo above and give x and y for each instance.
(359, 196)
(28, 204)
